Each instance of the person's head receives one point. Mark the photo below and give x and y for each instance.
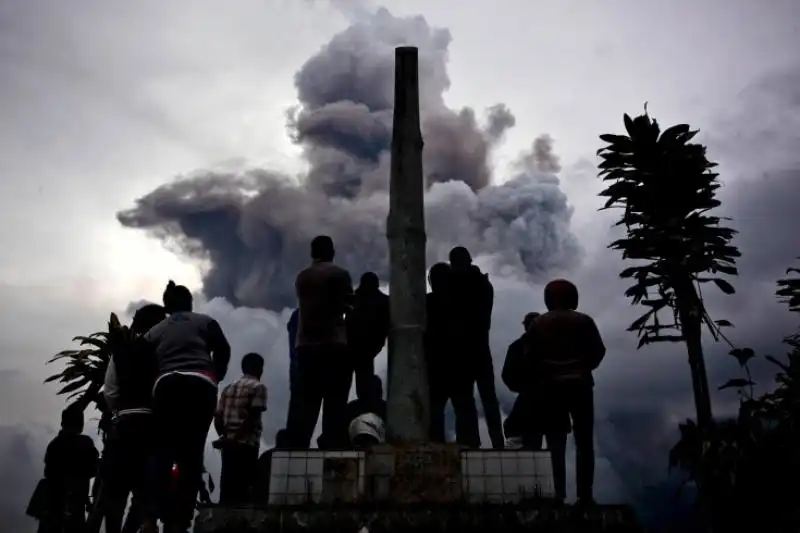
(561, 295)
(369, 282)
(177, 298)
(322, 248)
(281, 439)
(529, 318)
(146, 317)
(460, 259)
(253, 365)
(367, 430)
(438, 276)
(72, 419)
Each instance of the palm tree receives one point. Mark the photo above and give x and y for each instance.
(666, 187)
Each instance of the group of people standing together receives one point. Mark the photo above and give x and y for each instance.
(161, 393)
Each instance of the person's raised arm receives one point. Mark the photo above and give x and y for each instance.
(595, 348)
(220, 349)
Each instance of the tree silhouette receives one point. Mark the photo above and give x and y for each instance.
(747, 468)
(85, 369)
(666, 187)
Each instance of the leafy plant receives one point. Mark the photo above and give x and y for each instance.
(666, 188)
(750, 466)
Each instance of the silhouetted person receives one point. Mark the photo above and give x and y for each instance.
(472, 299)
(515, 424)
(70, 462)
(264, 467)
(367, 328)
(192, 356)
(130, 443)
(446, 380)
(291, 329)
(532, 418)
(566, 347)
(238, 423)
(324, 293)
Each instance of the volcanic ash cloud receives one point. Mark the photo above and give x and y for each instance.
(252, 228)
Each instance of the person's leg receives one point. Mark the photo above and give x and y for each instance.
(335, 390)
(227, 475)
(198, 403)
(305, 403)
(438, 401)
(488, 394)
(557, 444)
(582, 413)
(168, 424)
(461, 395)
(364, 370)
(250, 470)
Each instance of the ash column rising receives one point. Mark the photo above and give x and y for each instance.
(408, 403)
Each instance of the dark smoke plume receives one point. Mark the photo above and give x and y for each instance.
(252, 228)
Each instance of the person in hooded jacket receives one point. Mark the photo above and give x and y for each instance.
(445, 382)
(472, 300)
(367, 324)
(566, 347)
(128, 394)
(192, 356)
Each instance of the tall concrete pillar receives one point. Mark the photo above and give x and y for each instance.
(408, 399)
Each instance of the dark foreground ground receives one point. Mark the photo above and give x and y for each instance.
(544, 518)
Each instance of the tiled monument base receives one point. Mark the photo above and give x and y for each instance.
(431, 488)
(430, 473)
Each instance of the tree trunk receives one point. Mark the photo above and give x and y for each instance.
(407, 396)
(690, 312)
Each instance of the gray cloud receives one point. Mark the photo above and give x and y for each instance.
(253, 227)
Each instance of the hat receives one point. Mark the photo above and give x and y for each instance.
(368, 424)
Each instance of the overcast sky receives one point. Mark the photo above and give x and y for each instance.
(101, 102)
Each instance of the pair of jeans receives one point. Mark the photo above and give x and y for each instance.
(128, 456)
(364, 374)
(239, 472)
(575, 399)
(184, 407)
(324, 376)
(458, 389)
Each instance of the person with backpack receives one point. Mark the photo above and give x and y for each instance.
(70, 463)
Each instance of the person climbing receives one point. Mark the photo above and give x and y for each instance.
(367, 329)
(70, 463)
(445, 383)
(324, 293)
(566, 347)
(128, 394)
(238, 423)
(472, 298)
(192, 356)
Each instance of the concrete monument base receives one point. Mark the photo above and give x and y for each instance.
(431, 487)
